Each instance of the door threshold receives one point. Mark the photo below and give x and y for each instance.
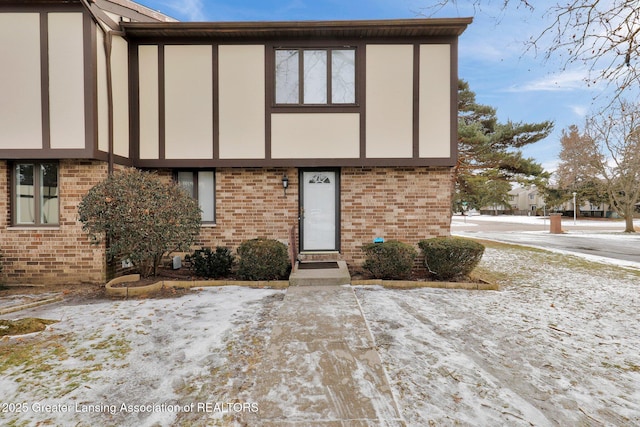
(306, 256)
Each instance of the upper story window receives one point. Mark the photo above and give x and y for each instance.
(315, 76)
(35, 194)
(201, 186)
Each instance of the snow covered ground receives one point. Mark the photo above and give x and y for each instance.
(133, 362)
(557, 345)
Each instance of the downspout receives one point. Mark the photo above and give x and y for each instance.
(108, 44)
(108, 32)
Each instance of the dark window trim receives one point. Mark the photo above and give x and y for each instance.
(36, 194)
(329, 105)
(194, 173)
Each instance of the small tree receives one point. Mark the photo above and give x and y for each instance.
(141, 218)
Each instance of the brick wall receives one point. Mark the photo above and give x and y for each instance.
(406, 204)
(53, 255)
(250, 203)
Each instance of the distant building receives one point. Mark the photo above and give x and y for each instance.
(526, 201)
(522, 201)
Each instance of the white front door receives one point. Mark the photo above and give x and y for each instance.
(318, 210)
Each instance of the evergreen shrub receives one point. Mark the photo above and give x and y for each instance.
(263, 259)
(451, 257)
(212, 264)
(389, 260)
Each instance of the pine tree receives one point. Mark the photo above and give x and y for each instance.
(489, 156)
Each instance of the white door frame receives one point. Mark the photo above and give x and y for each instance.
(332, 243)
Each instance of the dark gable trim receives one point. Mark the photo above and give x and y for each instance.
(41, 6)
(303, 30)
(216, 102)
(134, 101)
(293, 163)
(48, 153)
(132, 10)
(269, 85)
(270, 34)
(271, 108)
(161, 107)
(361, 96)
(90, 82)
(90, 86)
(416, 101)
(44, 80)
(454, 100)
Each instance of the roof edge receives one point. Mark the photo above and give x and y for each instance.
(137, 8)
(452, 26)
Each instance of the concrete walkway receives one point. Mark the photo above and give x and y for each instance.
(321, 366)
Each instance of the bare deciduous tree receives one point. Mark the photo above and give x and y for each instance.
(615, 136)
(576, 171)
(602, 35)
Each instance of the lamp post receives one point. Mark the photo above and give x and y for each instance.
(574, 208)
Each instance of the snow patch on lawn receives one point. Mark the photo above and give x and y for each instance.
(557, 346)
(134, 352)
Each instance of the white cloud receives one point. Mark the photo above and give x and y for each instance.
(564, 81)
(579, 110)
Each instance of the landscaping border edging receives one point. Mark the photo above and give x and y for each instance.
(134, 291)
(24, 306)
(411, 284)
(277, 284)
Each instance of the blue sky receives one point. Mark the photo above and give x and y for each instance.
(520, 84)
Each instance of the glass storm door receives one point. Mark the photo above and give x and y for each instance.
(319, 211)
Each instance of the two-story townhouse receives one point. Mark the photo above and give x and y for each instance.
(343, 130)
(526, 200)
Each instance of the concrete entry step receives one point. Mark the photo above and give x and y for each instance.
(320, 276)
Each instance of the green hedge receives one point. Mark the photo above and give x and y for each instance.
(263, 259)
(389, 260)
(207, 263)
(451, 257)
